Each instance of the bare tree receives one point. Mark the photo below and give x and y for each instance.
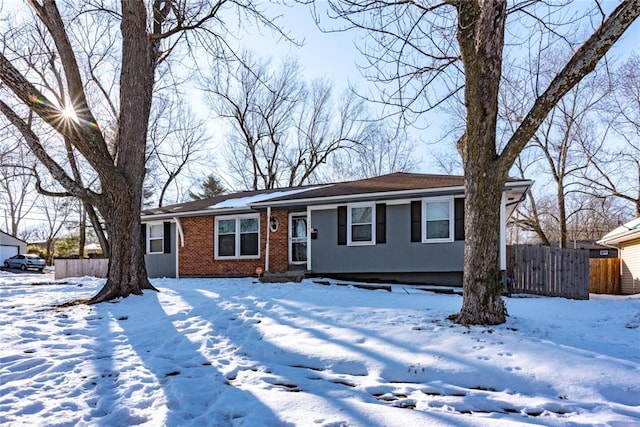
(148, 34)
(177, 141)
(282, 129)
(56, 211)
(615, 168)
(16, 185)
(387, 150)
(560, 141)
(460, 44)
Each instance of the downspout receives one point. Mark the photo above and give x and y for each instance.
(179, 234)
(503, 232)
(308, 238)
(266, 255)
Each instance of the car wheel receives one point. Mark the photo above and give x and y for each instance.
(23, 267)
(6, 264)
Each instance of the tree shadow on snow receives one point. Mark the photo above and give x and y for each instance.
(193, 388)
(337, 382)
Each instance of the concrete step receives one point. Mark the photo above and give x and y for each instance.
(295, 276)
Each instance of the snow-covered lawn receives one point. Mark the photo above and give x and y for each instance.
(234, 352)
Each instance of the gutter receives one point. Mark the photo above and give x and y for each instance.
(201, 212)
(619, 238)
(324, 200)
(600, 242)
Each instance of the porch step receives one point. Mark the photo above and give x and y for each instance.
(295, 276)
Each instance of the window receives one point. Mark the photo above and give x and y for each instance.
(360, 224)
(437, 218)
(155, 239)
(237, 237)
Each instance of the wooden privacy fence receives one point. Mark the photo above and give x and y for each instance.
(543, 270)
(604, 276)
(96, 267)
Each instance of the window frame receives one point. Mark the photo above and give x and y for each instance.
(350, 207)
(237, 233)
(149, 238)
(451, 219)
(293, 240)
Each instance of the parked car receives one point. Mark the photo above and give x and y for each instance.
(25, 261)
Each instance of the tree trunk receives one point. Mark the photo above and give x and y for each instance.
(83, 232)
(122, 185)
(97, 227)
(481, 39)
(127, 273)
(562, 215)
(482, 282)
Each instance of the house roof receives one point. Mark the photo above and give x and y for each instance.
(240, 200)
(6, 238)
(392, 186)
(624, 233)
(384, 184)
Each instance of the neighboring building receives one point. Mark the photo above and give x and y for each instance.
(595, 249)
(10, 246)
(626, 239)
(403, 226)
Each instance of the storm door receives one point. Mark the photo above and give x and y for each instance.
(298, 238)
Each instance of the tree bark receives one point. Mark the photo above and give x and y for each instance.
(123, 186)
(127, 273)
(482, 281)
(481, 39)
(83, 231)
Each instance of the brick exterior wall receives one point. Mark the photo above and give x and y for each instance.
(196, 258)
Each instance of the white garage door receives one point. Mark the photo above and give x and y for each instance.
(7, 251)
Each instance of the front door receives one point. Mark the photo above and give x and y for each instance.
(298, 238)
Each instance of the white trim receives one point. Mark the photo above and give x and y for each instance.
(503, 231)
(396, 202)
(323, 207)
(290, 239)
(179, 231)
(266, 249)
(414, 194)
(201, 212)
(237, 233)
(330, 201)
(309, 239)
(370, 205)
(423, 207)
(149, 225)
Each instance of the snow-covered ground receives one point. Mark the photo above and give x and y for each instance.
(234, 352)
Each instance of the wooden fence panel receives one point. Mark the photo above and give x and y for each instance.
(543, 270)
(95, 267)
(604, 276)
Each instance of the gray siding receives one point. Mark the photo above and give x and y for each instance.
(163, 265)
(397, 255)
